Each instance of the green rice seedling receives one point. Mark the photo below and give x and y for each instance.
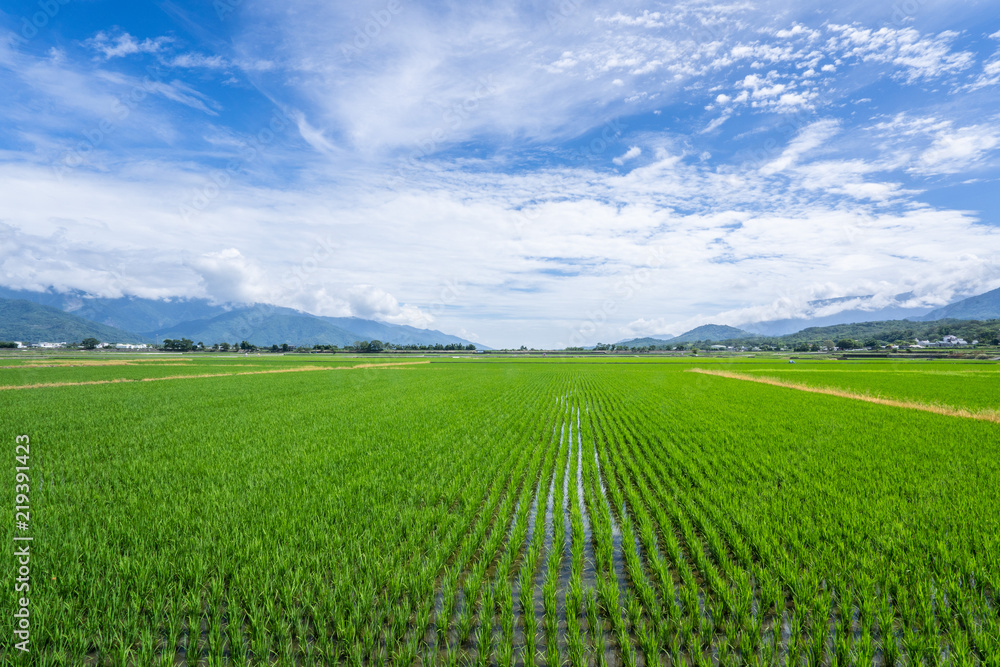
(552, 656)
(648, 643)
(484, 643)
(505, 655)
(887, 630)
(865, 649)
(551, 621)
(913, 645)
(531, 643)
(465, 622)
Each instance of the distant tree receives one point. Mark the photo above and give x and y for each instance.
(223, 346)
(470, 347)
(90, 343)
(285, 347)
(274, 348)
(7, 344)
(846, 344)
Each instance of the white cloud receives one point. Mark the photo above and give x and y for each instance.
(958, 150)
(124, 44)
(370, 302)
(919, 56)
(228, 276)
(632, 153)
(808, 139)
(192, 60)
(940, 146)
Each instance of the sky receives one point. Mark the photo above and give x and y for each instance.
(541, 173)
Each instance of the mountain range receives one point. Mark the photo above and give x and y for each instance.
(981, 307)
(28, 322)
(72, 316)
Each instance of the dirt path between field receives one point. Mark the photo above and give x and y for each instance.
(212, 375)
(982, 415)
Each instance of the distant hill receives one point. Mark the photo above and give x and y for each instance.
(32, 322)
(712, 332)
(200, 320)
(646, 342)
(858, 308)
(268, 325)
(259, 325)
(982, 307)
(130, 313)
(985, 331)
(901, 330)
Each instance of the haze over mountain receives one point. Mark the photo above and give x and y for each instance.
(150, 320)
(980, 307)
(267, 325)
(706, 332)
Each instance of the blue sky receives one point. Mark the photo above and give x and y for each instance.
(545, 173)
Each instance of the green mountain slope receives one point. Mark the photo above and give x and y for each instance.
(981, 307)
(269, 325)
(31, 322)
(711, 332)
(260, 325)
(644, 342)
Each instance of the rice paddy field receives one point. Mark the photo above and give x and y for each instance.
(298, 510)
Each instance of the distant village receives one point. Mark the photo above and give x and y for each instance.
(52, 346)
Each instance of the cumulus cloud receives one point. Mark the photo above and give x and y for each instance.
(371, 302)
(228, 276)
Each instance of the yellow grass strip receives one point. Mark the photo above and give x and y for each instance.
(298, 369)
(983, 415)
